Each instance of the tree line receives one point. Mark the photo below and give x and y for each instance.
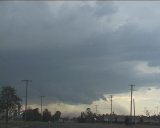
(11, 104)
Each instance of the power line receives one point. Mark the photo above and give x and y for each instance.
(27, 83)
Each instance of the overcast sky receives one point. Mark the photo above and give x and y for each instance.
(77, 52)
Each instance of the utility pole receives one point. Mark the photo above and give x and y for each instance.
(131, 102)
(27, 83)
(41, 103)
(111, 107)
(134, 111)
(96, 108)
(111, 103)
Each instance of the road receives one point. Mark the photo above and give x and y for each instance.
(35, 126)
(87, 125)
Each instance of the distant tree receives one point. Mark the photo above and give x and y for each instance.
(32, 115)
(147, 113)
(9, 101)
(46, 115)
(88, 111)
(89, 115)
(56, 116)
(82, 118)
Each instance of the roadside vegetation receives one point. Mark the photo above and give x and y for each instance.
(11, 113)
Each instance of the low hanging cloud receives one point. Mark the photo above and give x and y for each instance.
(73, 52)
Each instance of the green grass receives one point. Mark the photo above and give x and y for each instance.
(15, 124)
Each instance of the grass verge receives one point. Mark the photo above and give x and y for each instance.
(16, 124)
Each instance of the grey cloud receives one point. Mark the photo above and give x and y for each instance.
(66, 55)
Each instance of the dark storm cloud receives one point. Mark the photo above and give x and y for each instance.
(67, 52)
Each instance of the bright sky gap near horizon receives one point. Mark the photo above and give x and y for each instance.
(78, 53)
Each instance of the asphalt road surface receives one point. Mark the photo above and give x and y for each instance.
(35, 126)
(77, 125)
